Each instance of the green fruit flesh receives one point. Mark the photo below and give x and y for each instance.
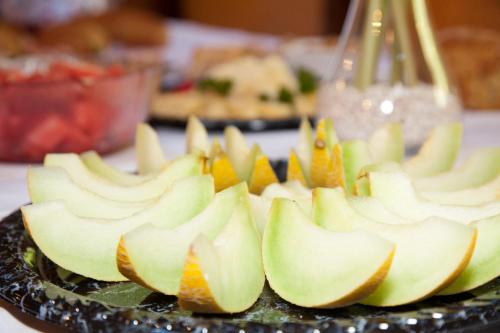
(355, 156)
(150, 156)
(438, 153)
(428, 254)
(196, 137)
(88, 246)
(238, 152)
(313, 267)
(387, 144)
(157, 255)
(303, 198)
(180, 168)
(481, 167)
(304, 148)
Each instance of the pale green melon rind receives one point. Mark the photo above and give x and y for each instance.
(386, 144)
(396, 192)
(429, 254)
(53, 184)
(481, 167)
(485, 262)
(97, 165)
(313, 267)
(438, 153)
(157, 255)
(149, 154)
(88, 246)
(182, 167)
(468, 197)
(355, 156)
(233, 268)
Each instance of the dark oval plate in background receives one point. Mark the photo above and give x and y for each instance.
(33, 284)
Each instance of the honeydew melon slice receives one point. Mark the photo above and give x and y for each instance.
(468, 197)
(313, 267)
(396, 192)
(225, 275)
(387, 144)
(326, 131)
(89, 246)
(438, 153)
(53, 184)
(182, 167)
(260, 209)
(155, 257)
(239, 153)
(304, 148)
(371, 208)
(481, 167)
(429, 254)
(196, 137)
(485, 263)
(149, 154)
(276, 190)
(355, 156)
(97, 165)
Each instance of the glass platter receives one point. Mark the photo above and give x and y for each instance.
(36, 286)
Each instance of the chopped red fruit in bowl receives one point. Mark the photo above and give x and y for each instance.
(68, 105)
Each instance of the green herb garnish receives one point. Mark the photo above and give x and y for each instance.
(29, 257)
(221, 87)
(307, 81)
(264, 97)
(285, 96)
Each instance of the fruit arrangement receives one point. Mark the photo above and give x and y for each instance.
(354, 222)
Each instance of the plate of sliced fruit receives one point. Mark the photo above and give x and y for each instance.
(354, 239)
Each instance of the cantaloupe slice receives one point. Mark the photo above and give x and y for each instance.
(89, 246)
(396, 192)
(438, 153)
(429, 255)
(182, 167)
(226, 275)
(149, 154)
(386, 144)
(155, 257)
(469, 197)
(481, 167)
(53, 184)
(97, 165)
(196, 137)
(313, 267)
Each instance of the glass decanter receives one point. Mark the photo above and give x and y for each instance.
(388, 68)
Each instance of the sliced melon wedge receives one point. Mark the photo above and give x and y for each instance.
(149, 154)
(304, 148)
(429, 255)
(196, 137)
(355, 155)
(294, 170)
(274, 191)
(262, 174)
(469, 197)
(386, 144)
(155, 257)
(438, 153)
(396, 192)
(226, 275)
(53, 184)
(238, 152)
(481, 167)
(373, 209)
(182, 167)
(89, 246)
(313, 267)
(97, 165)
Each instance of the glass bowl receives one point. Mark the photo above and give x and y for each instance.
(73, 114)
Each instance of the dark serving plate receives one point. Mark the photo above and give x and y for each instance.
(255, 125)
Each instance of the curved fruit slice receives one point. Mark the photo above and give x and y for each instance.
(262, 174)
(53, 184)
(212, 280)
(387, 144)
(97, 165)
(274, 191)
(179, 168)
(438, 153)
(260, 209)
(149, 154)
(294, 170)
(326, 131)
(196, 137)
(396, 192)
(429, 255)
(355, 155)
(238, 152)
(304, 148)
(469, 197)
(481, 167)
(485, 263)
(373, 209)
(155, 257)
(313, 267)
(89, 246)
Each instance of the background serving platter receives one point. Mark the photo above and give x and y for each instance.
(32, 283)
